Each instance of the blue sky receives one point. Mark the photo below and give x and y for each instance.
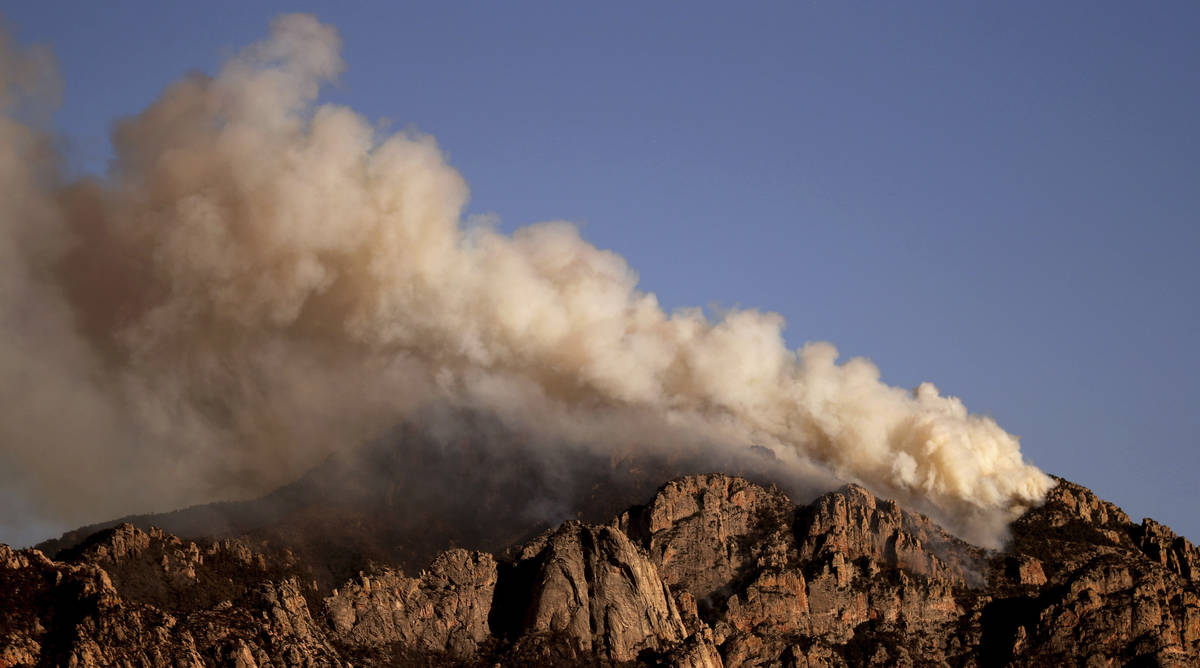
(1000, 199)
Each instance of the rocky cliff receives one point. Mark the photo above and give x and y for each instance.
(713, 570)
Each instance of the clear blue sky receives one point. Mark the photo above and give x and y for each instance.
(1002, 199)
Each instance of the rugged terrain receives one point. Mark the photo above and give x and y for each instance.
(712, 570)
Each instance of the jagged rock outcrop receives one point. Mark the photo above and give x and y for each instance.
(79, 614)
(444, 610)
(592, 588)
(1083, 583)
(709, 531)
(712, 571)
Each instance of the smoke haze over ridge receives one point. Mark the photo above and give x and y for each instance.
(260, 280)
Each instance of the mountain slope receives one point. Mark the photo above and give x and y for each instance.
(713, 570)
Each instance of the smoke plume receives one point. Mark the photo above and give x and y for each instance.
(260, 279)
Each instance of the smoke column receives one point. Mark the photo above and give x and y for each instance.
(259, 280)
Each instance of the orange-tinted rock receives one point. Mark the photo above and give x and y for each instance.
(712, 571)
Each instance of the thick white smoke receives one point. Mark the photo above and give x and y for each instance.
(260, 279)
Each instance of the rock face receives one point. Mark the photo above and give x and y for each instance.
(134, 598)
(445, 610)
(591, 588)
(712, 571)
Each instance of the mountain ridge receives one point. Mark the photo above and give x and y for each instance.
(712, 570)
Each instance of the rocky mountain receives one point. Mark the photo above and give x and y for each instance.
(712, 570)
